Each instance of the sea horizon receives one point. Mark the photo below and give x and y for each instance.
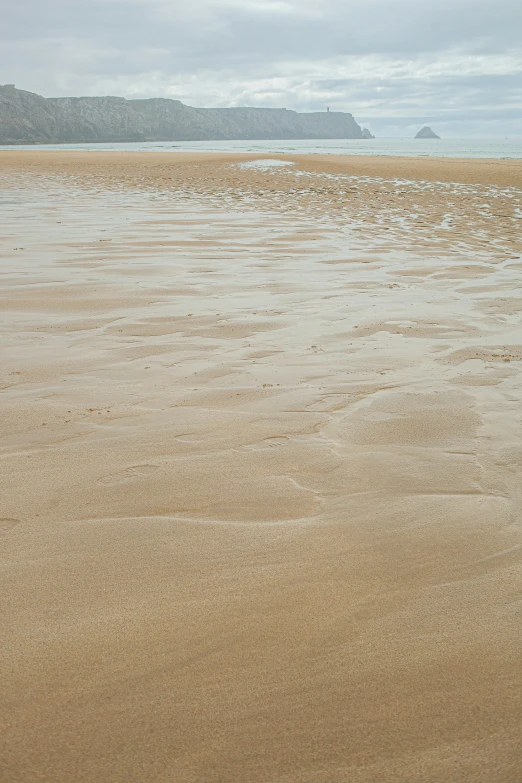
(402, 147)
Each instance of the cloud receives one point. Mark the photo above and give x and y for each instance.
(390, 62)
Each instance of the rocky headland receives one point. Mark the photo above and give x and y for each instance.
(28, 118)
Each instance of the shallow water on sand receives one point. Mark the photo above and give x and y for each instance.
(260, 494)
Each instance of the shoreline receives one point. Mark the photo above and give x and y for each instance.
(504, 172)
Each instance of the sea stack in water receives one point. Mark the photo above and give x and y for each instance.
(426, 133)
(367, 134)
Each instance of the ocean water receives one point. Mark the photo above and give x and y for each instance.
(436, 148)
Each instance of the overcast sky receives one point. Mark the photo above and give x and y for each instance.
(396, 65)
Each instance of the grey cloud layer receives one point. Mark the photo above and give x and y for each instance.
(390, 63)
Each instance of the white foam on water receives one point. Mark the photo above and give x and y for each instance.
(265, 163)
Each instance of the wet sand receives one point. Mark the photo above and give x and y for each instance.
(261, 456)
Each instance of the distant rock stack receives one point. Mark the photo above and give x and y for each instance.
(426, 133)
(366, 134)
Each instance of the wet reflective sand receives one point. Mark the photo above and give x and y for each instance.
(261, 471)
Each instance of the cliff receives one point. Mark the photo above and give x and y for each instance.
(27, 118)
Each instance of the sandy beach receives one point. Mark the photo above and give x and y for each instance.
(261, 448)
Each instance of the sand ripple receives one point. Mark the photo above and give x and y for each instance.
(260, 497)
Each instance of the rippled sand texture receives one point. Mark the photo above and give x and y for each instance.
(261, 471)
